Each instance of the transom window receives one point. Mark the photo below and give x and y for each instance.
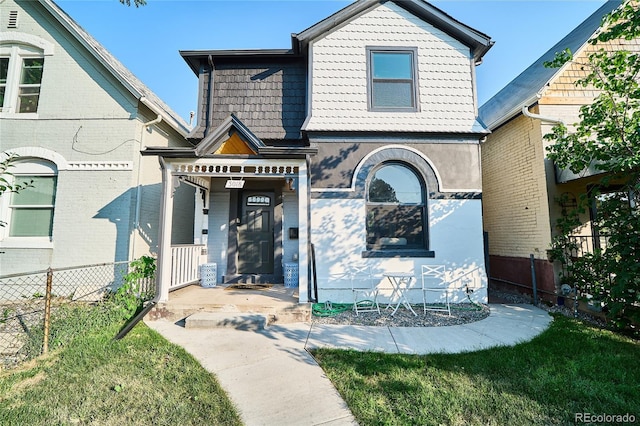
(392, 79)
(396, 209)
(20, 79)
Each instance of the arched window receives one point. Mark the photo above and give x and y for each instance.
(396, 208)
(31, 209)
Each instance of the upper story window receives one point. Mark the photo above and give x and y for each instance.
(392, 80)
(396, 209)
(21, 70)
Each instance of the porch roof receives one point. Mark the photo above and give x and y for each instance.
(263, 152)
(209, 146)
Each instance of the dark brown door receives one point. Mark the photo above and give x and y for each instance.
(255, 233)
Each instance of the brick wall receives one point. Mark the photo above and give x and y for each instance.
(515, 208)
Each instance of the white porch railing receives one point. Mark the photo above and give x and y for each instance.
(185, 262)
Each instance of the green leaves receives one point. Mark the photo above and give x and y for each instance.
(607, 140)
(130, 296)
(137, 3)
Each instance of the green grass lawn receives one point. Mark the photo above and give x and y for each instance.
(570, 368)
(139, 380)
(145, 380)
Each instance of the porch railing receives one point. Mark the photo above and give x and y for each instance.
(587, 244)
(185, 262)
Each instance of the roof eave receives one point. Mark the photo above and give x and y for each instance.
(73, 29)
(478, 42)
(162, 151)
(193, 58)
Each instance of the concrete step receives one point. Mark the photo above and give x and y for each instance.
(280, 315)
(236, 321)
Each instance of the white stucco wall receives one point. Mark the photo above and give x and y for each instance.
(338, 93)
(455, 233)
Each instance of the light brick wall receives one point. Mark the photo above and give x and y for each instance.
(84, 115)
(515, 208)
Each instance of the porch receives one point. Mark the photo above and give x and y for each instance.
(241, 214)
(279, 304)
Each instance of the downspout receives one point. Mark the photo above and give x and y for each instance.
(160, 265)
(527, 113)
(167, 118)
(153, 108)
(136, 220)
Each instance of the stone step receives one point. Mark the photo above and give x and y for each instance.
(236, 321)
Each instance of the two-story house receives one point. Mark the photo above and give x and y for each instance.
(78, 119)
(524, 193)
(357, 146)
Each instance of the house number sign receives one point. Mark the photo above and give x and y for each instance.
(258, 200)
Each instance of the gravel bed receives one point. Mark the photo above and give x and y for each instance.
(462, 314)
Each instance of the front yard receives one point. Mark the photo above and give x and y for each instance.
(568, 373)
(139, 380)
(571, 369)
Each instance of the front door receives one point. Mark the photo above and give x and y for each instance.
(255, 233)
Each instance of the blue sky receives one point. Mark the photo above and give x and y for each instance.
(147, 39)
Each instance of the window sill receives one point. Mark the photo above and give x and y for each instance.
(19, 115)
(27, 243)
(398, 253)
(390, 109)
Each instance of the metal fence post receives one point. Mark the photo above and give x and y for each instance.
(534, 282)
(47, 312)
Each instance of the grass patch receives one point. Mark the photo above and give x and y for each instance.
(570, 368)
(139, 380)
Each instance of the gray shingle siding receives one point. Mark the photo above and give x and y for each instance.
(270, 98)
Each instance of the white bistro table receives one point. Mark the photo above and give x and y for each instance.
(400, 284)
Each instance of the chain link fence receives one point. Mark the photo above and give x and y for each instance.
(28, 301)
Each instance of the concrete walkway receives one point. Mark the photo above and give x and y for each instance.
(273, 380)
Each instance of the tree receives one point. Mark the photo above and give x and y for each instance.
(7, 185)
(6, 182)
(137, 3)
(607, 138)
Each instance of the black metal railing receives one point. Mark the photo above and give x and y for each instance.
(583, 244)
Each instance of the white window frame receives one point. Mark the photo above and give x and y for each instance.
(25, 167)
(17, 47)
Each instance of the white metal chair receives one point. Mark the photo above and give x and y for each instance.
(365, 294)
(433, 282)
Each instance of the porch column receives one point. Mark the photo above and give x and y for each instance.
(163, 271)
(303, 235)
